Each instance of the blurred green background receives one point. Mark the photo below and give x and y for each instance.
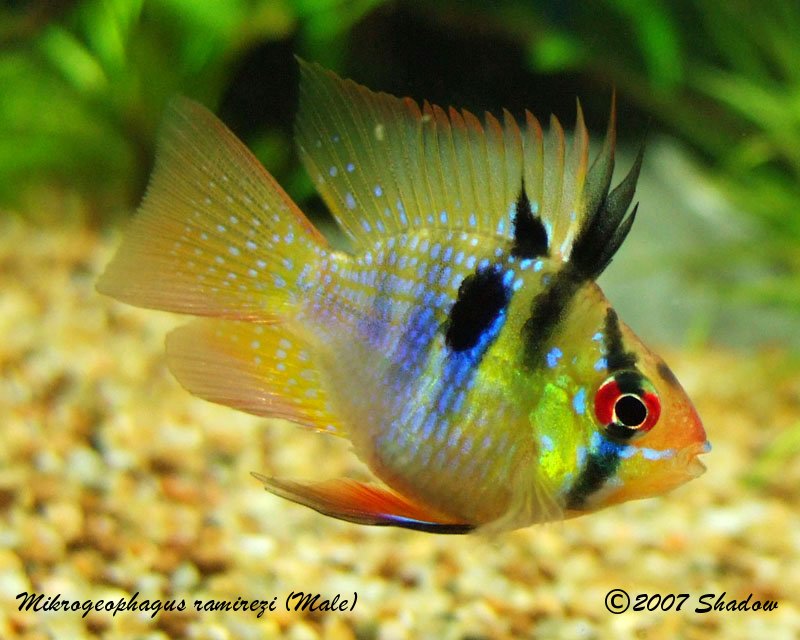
(84, 83)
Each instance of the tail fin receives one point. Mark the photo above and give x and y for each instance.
(215, 235)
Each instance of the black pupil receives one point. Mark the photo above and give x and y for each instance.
(630, 410)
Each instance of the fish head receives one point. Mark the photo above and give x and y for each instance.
(660, 452)
(613, 421)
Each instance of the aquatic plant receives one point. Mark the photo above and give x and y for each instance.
(85, 84)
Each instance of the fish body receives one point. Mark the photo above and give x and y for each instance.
(461, 344)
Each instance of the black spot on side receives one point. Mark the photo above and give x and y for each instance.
(481, 298)
(616, 356)
(666, 374)
(530, 236)
(547, 310)
(600, 465)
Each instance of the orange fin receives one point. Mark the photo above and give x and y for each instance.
(215, 234)
(264, 369)
(363, 503)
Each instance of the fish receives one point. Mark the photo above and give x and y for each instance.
(459, 340)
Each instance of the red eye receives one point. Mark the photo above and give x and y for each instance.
(627, 405)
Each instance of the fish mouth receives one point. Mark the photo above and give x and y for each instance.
(689, 461)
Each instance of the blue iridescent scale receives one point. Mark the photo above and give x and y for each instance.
(392, 304)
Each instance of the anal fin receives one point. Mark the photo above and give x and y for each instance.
(264, 369)
(363, 503)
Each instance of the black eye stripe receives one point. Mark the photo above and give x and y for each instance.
(599, 467)
(620, 433)
(629, 382)
(617, 357)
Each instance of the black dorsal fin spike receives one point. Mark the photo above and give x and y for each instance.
(616, 240)
(621, 196)
(598, 178)
(530, 235)
(605, 228)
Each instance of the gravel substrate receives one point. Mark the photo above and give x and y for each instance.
(113, 481)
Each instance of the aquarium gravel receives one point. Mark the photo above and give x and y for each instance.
(115, 483)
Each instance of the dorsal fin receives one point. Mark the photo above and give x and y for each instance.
(605, 221)
(384, 165)
(566, 213)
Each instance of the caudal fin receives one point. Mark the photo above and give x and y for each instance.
(215, 235)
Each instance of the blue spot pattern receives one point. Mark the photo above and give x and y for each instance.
(579, 401)
(553, 356)
(421, 429)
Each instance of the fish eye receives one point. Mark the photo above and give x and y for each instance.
(630, 411)
(627, 405)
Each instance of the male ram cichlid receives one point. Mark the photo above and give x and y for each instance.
(462, 346)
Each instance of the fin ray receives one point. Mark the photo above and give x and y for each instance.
(263, 369)
(215, 234)
(362, 503)
(383, 165)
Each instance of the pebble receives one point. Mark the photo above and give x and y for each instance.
(113, 479)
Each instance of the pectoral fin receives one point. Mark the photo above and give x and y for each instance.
(363, 503)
